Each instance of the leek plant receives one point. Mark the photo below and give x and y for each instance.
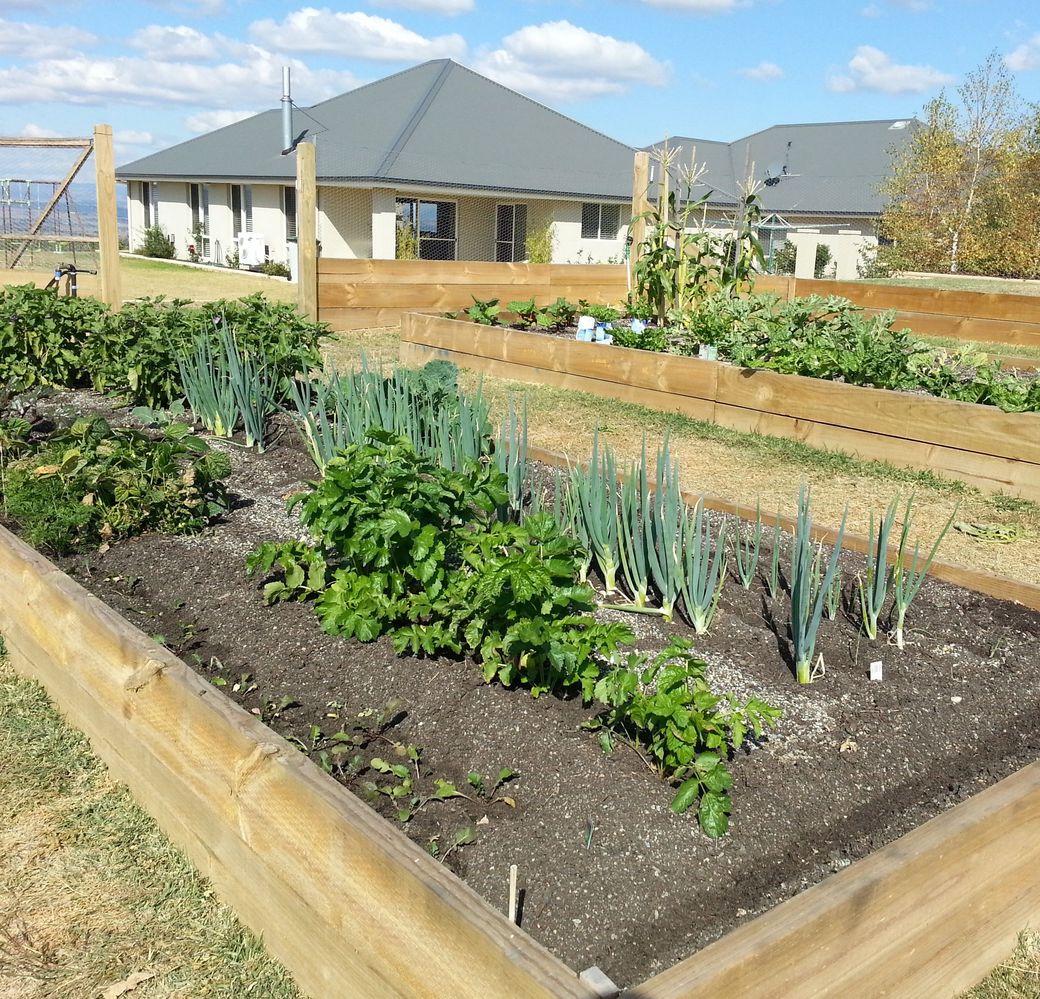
(633, 531)
(255, 389)
(873, 593)
(667, 515)
(746, 551)
(807, 599)
(208, 388)
(511, 456)
(596, 493)
(773, 579)
(704, 567)
(907, 579)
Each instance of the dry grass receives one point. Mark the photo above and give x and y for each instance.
(91, 891)
(147, 278)
(1017, 978)
(748, 467)
(965, 282)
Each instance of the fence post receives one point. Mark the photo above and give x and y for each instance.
(108, 224)
(640, 204)
(307, 230)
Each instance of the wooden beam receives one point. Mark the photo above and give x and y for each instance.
(68, 143)
(108, 219)
(59, 191)
(640, 205)
(306, 231)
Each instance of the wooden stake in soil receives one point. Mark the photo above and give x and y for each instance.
(512, 893)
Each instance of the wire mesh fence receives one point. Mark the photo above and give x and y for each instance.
(48, 205)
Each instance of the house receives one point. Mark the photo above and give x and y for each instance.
(436, 162)
(816, 183)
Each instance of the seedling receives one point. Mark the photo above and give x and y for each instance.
(460, 838)
(488, 790)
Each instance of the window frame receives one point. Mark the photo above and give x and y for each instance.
(291, 217)
(599, 207)
(198, 202)
(416, 224)
(517, 246)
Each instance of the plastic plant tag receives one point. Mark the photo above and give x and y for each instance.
(638, 326)
(876, 671)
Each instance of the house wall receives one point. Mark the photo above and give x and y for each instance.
(570, 248)
(345, 223)
(845, 245)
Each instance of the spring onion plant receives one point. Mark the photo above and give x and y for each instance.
(255, 389)
(704, 568)
(746, 551)
(909, 572)
(807, 600)
(667, 515)
(633, 531)
(511, 456)
(596, 492)
(873, 593)
(208, 388)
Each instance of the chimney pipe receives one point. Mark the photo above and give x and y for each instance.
(287, 136)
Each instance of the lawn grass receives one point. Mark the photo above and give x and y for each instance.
(998, 349)
(91, 891)
(964, 282)
(1016, 978)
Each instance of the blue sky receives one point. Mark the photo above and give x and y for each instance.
(161, 71)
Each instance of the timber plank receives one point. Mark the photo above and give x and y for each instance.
(926, 915)
(968, 328)
(361, 911)
(360, 319)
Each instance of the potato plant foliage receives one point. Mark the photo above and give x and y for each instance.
(425, 554)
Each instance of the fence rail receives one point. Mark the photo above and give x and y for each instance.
(355, 294)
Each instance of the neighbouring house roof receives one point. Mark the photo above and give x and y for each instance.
(826, 169)
(437, 124)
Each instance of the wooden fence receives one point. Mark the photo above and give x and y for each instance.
(977, 444)
(354, 909)
(356, 294)
(962, 315)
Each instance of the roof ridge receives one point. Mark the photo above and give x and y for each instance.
(413, 122)
(374, 83)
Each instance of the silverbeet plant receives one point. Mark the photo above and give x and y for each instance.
(807, 599)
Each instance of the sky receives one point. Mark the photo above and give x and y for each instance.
(162, 71)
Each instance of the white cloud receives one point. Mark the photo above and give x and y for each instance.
(872, 10)
(34, 131)
(700, 6)
(763, 71)
(355, 34)
(37, 42)
(181, 42)
(130, 137)
(1025, 57)
(82, 81)
(207, 121)
(872, 69)
(917, 6)
(559, 61)
(447, 7)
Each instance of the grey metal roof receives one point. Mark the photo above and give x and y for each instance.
(436, 124)
(828, 168)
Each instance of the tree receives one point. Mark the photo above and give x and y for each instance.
(951, 169)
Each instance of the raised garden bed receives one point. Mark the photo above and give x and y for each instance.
(852, 766)
(981, 445)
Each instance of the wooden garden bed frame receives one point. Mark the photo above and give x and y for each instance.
(354, 909)
(993, 450)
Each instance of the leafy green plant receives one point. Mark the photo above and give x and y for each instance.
(665, 706)
(653, 338)
(91, 483)
(275, 268)
(484, 311)
(155, 242)
(558, 315)
(525, 311)
(808, 597)
(601, 313)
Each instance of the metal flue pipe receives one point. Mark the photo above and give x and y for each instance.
(287, 136)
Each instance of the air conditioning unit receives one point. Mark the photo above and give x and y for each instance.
(251, 249)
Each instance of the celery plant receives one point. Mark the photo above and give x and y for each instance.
(908, 579)
(807, 600)
(705, 568)
(874, 592)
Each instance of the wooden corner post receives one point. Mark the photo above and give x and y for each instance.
(108, 225)
(640, 205)
(307, 230)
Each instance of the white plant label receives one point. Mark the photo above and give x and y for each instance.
(876, 671)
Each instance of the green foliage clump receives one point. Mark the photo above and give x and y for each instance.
(275, 268)
(92, 482)
(42, 336)
(648, 338)
(539, 245)
(784, 259)
(156, 243)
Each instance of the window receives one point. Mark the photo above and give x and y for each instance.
(433, 223)
(511, 234)
(241, 208)
(150, 203)
(198, 199)
(289, 208)
(600, 221)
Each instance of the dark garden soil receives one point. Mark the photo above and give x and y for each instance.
(610, 875)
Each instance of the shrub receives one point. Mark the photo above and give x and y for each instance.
(157, 243)
(539, 245)
(273, 268)
(784, 259)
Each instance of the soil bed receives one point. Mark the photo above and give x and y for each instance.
(610, 875)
